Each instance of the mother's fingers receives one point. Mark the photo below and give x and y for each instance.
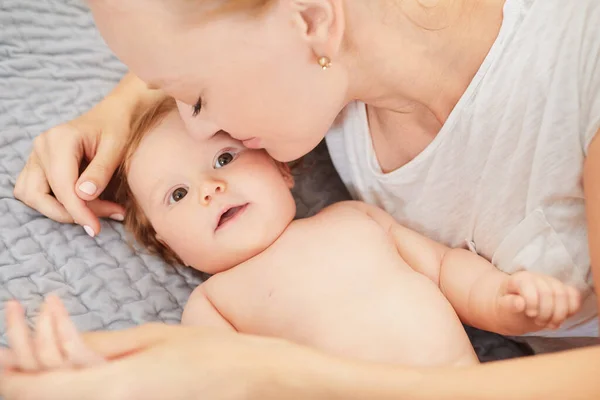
(7, 359)
(19, 337)
(61, 167)
(48, 352)
(107, 209)
(68, 338)
(33, 189)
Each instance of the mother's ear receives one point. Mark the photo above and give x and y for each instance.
(321, 23)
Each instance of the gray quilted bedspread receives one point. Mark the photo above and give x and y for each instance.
(54, 66)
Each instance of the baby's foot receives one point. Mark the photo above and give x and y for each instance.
(56, 343)
(543, 299)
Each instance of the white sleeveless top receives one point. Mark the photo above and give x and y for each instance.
(504, 175)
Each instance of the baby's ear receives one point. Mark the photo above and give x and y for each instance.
(161, 240)
(286, 173)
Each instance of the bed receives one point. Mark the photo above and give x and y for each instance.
(54, 66)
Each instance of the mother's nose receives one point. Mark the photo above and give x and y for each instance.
(199, 127)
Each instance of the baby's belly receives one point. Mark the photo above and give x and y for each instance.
(400, 319)
(368, 305)
(347, 292)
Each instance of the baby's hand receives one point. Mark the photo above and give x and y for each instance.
(55, 344)
(544, 300)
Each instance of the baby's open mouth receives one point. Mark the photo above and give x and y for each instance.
(230, 214)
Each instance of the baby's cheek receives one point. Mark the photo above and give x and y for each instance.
(179, 241)
(190, 255)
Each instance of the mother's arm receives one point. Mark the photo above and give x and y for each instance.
(186, 363)
(591, 184)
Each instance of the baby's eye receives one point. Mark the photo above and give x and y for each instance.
(177, 195)
(224, 158)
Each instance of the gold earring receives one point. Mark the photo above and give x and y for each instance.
(325, 62)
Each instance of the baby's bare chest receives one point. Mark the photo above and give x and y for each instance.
(317, 267)
(335, 249)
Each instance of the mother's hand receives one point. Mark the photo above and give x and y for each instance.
(157, 361)
(50, 181)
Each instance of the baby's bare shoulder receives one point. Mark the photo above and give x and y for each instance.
(346, 217)
(345, 210)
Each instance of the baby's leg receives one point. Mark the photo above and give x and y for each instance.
(459, 351)
(56, 342)
(468, 358)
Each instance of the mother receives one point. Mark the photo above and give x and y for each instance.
(479, 125)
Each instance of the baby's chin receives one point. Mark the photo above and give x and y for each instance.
(234, 250)
(228, 259)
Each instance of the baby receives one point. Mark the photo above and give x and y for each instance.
(349, 281)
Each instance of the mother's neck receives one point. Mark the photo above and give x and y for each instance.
(404, 52)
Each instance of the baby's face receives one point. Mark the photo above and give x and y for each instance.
(214, 203)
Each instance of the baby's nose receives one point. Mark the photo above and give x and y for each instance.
(210, 190)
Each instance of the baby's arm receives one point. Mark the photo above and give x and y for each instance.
(482, 295)
(508, 304)
(199, 310)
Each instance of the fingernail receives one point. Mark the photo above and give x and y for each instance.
(117, 217)
(88, 188)
(89, 231)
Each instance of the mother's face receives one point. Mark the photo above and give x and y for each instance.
(257, 77)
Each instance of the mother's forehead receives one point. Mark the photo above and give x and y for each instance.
(174, 126)
(116, 5)
(156, 15)
(120, 5)
(177, 11)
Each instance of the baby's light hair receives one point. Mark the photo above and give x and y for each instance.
(136, 222)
